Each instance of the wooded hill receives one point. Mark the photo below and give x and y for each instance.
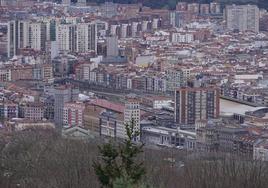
(43, 159)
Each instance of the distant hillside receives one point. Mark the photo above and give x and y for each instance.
(172, 3)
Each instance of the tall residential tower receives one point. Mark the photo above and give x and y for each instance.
(196, 103)
(242, 17)
(62, 95)
(18, 36)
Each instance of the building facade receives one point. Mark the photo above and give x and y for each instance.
(33, 111)
(63, 95)
(242, 17)
(109, 123)
(38, 36)
(18, 36)
(196, 103)
(261, 150)
(81, 37)
(8, 110)
(112, 46)
(176, 78)
(73, 114)
(132, 114)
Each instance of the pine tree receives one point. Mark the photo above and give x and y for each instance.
(107, 170)
(117, 166)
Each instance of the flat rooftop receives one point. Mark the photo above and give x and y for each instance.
(230, 107)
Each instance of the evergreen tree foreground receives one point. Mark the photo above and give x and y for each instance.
(118, 166)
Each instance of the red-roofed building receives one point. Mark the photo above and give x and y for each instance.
(108, 105)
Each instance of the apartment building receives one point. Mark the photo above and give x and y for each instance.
(242, 17)
(196, 103)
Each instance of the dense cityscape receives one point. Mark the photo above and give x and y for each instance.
(192, 79)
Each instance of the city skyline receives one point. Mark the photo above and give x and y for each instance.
(163, 86)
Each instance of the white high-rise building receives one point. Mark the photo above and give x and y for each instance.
(112, 46)
(242, 17)
(38, 36)
(86, 37)
(18, 36)
(66, 37)
(81, 37)
(132, 113)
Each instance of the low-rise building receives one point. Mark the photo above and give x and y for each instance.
(207, 139)
(23, 124)
(109, 123)
(5, 75)
(160, 136)
(244, 144)
(157, 102)
(227, 137)
(8, 110)
(261, 150)
(32, 111)
(77, 133)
